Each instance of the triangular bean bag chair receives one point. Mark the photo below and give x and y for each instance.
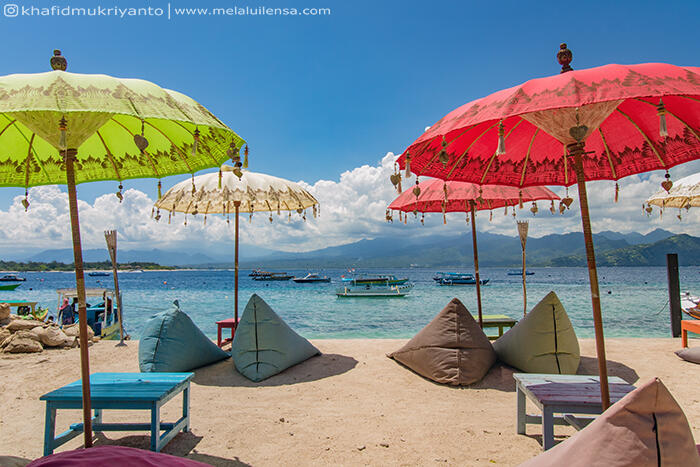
(171, 342)
(451, 349)
(116, 456)
(543, 341)
(646, 428)
(264, 345)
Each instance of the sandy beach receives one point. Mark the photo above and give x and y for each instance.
(350, 406)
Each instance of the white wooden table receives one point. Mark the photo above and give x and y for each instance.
(565, 395)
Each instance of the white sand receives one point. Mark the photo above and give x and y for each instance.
(351, 406)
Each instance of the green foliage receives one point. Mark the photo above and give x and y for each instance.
(56, 266)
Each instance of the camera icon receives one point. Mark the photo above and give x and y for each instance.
(10, 10)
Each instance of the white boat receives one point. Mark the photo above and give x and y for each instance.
(690, 305)
(373, 290)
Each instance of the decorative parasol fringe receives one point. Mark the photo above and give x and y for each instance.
(661, 112)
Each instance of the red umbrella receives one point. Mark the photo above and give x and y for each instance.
(440, 196)
(602, 123)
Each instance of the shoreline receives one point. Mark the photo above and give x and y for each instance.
(351, 405)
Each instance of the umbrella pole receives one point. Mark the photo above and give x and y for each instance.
(476, 266)
(80, 286)
(237, 204)
(576, 151)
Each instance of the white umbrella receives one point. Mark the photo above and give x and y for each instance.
(685, 193)
(226, 193)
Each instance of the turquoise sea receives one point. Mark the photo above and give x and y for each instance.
(634, 300)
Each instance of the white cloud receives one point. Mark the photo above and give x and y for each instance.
(352, 208)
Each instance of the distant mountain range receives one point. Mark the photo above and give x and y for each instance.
(612, 249)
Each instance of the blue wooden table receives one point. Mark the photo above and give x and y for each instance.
(121, 391)
(562, 394)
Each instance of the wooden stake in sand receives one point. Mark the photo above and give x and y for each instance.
(522, 231)
(111, 239)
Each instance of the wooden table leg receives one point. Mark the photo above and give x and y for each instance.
(186, 407)
(218, 335)
(520, 424)
(155, 427)
(547, 428)
(49, 429)
(684, 335)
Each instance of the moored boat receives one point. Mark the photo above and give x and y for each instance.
(12, 278)
(309, 278)
(98, 274)
(103, 317)
(380, 279)
(9, 286)
(374, 290)
(519, 272)
(457, 278)
(273, 276)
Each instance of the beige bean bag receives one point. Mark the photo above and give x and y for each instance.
(543, 341)
(646, 428)
(451, 349)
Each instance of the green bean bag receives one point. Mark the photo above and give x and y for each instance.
(264, 345)
(543, 341)
(451, 349)
(171, 342)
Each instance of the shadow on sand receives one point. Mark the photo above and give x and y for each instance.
(183, 445)
(589, 366)
(224, 373)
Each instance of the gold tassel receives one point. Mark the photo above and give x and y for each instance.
(220, 177)
(160, 188)
(405, 220)
(170, 216)
(153, 210)
(661, 112)
(422, 218)
(185, 218)
(195, 144)
(205, 219)
(617, 192)
(119, 193)
(501, 149)
(490, 216)
(520, 199)
(245, 158)
(408, 165)
(194, 189)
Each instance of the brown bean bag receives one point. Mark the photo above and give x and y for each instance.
(645, 428)
(451, 349)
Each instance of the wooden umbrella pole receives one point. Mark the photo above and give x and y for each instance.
(476, 264)
(80, 286)
(237, 204)
(576, 150)
(522, 232)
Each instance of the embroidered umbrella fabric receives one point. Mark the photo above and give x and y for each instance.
(439, 196)
(685, 193)
(232, 191)
(596, 124)
(66, 128)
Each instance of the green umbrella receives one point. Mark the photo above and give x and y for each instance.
(66, 128)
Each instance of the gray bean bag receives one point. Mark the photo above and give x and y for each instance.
(264, 345)
(691, 355)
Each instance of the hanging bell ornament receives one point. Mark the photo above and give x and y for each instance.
(667, 184)
(567, 201)
(661, 112)
(119, 193)
(388, 216)
(422, 219)
(416, 191)
(157, 218)
(195, 212)
(245, 160)
(25, 201)
(443, 157)
(534, 209)
(649, 209)
(396, 181)
(501, 149)
(237, 172)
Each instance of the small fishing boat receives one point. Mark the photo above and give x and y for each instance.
(9, 286)
(311, 278)
(273, 276)
(381, 279)
(103, 317)
(259, 272)
(374, 290)
(99, 274)
(457, 278)
(519, 272)
(12, 278)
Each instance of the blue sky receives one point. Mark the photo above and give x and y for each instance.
(316, 96)
(319, 96)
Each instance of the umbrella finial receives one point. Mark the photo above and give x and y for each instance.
(58, 62)
(564, 56)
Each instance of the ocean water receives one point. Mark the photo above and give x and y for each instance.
(634, 300)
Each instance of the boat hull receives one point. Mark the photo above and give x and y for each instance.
(309, 281)
(9, 286)
(462, 281)
(369, 291)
